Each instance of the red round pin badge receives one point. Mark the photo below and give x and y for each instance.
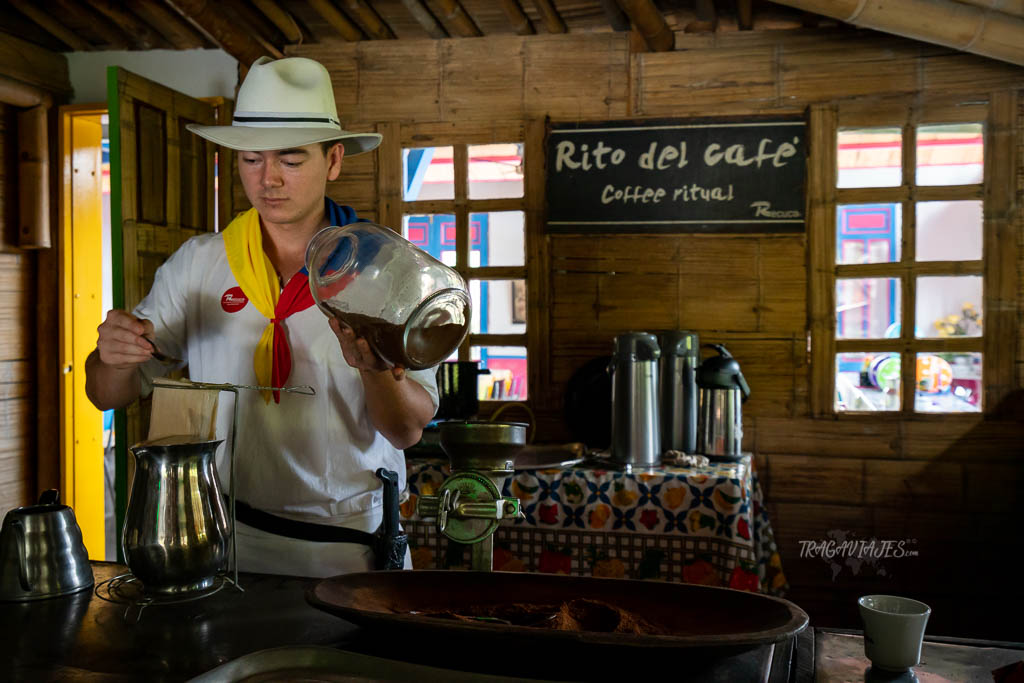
(233, 300)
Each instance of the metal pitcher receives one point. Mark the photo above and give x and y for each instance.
(176, 530)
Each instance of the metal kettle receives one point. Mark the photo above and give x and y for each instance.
(41, 551)
(176, 529)
(723, 389)
(636, 429)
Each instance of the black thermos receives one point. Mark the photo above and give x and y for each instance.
(679, 358)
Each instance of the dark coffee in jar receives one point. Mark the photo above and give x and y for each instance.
(426, 346)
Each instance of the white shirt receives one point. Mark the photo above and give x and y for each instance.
(309, 458)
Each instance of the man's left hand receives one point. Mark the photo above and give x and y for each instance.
(357, 351)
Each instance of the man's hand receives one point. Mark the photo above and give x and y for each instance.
(121, 342)
(357, 351)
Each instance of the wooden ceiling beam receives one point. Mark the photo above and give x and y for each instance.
(652, 26)
(425, 19)
(112, 36)
(280, 18)
(617, 19)
(232, 39)
(956, 25)
(51, 25)
(376, 27)
(707, 18)
(171, 25)
(138, 31)
(745, 14)
(552, 20)
(1014, 7)
(517, 17)
(338, 21)
(459, 19)
(257, 25)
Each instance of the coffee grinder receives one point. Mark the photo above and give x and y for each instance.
(468, 506)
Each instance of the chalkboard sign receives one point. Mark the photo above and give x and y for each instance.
(677, 175)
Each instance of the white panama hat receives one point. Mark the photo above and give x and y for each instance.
(285, 103)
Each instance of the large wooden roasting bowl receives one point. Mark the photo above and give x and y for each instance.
(700, 618)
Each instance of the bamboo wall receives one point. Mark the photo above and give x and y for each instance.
(17, 361)
(953, 485)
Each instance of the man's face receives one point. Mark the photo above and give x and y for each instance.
(287, 186)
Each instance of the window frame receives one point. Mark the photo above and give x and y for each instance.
(392, 207)
(998, 265)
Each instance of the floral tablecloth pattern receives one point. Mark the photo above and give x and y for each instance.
(704, 525)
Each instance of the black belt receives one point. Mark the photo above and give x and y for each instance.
(305, 531)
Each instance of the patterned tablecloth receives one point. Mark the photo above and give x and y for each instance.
(705, 525)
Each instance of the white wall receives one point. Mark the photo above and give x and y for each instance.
(198, 73)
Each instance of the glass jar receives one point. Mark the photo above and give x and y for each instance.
(413, 310)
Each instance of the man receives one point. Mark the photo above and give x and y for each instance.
(236, 307)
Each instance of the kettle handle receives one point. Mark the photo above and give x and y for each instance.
(49, 497)
(19, 543)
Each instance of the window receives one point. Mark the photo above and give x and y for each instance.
(898, 247)
(465, 205)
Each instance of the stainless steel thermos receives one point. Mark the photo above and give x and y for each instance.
(678, 385)
(636, 433)
(722, 392)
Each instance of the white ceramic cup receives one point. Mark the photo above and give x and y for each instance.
(893, 630)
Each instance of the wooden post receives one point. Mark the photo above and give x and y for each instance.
(821, 182)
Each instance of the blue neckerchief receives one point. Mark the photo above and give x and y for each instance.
(339, 214)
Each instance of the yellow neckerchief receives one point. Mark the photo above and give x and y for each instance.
(243, 243)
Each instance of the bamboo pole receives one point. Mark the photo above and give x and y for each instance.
(18, 94)
(459, 19)
(1014, 7)
(552, 20)
(171, 25)
(648, 20)
(372, 22)
(956, 25)
(333, 16)
(745, 14)
(520, 22)
(280, 18)
(33, 179)
(616, 17)
(52, 26)
(425, 19)
(228, 35)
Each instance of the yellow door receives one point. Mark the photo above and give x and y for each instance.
(82, 482)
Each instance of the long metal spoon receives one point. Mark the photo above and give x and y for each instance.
(160, 355)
